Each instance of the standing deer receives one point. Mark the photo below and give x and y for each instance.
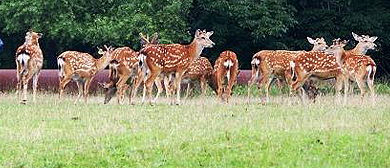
(315, 64)
(359, 68)
(226, 65)
(82, 68)
(125, 64)
(365, 43)
(173, 59)
(29, 60)
(269, 64)
(199, 71)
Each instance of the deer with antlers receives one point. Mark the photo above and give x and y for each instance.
(359, 68)
(226, 66)
(29, 61)
(82, 68)
(173, 59)
(269, 64)
(125, 64)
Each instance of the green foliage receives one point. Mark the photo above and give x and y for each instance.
(245, 26)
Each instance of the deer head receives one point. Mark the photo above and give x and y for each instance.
(145, 39)
(203, 38)
(319, 43)
(365, 43)
(337, 49)
(32, 37)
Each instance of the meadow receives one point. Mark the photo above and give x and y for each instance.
(202, 132)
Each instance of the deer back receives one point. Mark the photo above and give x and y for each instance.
(317, 63)
(198, 68)
(79, 61)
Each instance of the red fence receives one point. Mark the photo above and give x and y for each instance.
(48, 80)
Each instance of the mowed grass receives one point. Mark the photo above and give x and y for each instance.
(202, 132)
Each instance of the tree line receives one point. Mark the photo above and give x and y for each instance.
(244, 26)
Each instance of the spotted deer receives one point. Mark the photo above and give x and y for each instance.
(82, 68)
(29, 61)
(125, 64)
(267, 65)
(226, 66)
(320, 65)
(199, 71)
(359, 68)
(173, 59)
(365, 43)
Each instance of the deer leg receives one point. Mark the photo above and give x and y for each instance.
(187, 91)
(267, 87)
(157, 82)
(168, 89)
(121, 85)
(346, 89)
(362, 87)
(370, 83)
(178, 78)
(87, 84)
(25, 85)
(352, 86)
(136, 83)
(63, 82)
(80, 87)
(203, 86)
(253, 79)
(148, 84)
(35, 85)
(337, 87)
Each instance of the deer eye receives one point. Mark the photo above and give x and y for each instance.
(203, 38)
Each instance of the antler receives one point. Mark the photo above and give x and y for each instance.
(145, 38)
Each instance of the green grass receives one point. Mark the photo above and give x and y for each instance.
(199, 133)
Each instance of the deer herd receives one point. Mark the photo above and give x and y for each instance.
(175, 64)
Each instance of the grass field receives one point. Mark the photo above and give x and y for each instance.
(198, 133)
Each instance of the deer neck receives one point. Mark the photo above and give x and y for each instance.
(340, 57)
(359, 50)
(315, 48)
(195, 50)
(34, 41)
(102, 62)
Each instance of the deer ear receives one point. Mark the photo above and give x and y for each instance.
(372, 39)
(100, 51)
(311, 41)
(155, 38)
(40, 35)
(356, 37)
(210, 33)
(198, 32)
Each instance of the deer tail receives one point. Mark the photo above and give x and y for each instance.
(61, 63)
(371, 69)
(255, 62)
(228, 64)
(292, 69)
(23, 59)
(113, 69)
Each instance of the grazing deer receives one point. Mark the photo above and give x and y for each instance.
(125, 64)
(173, 59)
(82, 68)
(269, 64)
(365, 43)
(29, 60)
(359, 68)
(226, 65)
(199, 71)
(316, 64)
